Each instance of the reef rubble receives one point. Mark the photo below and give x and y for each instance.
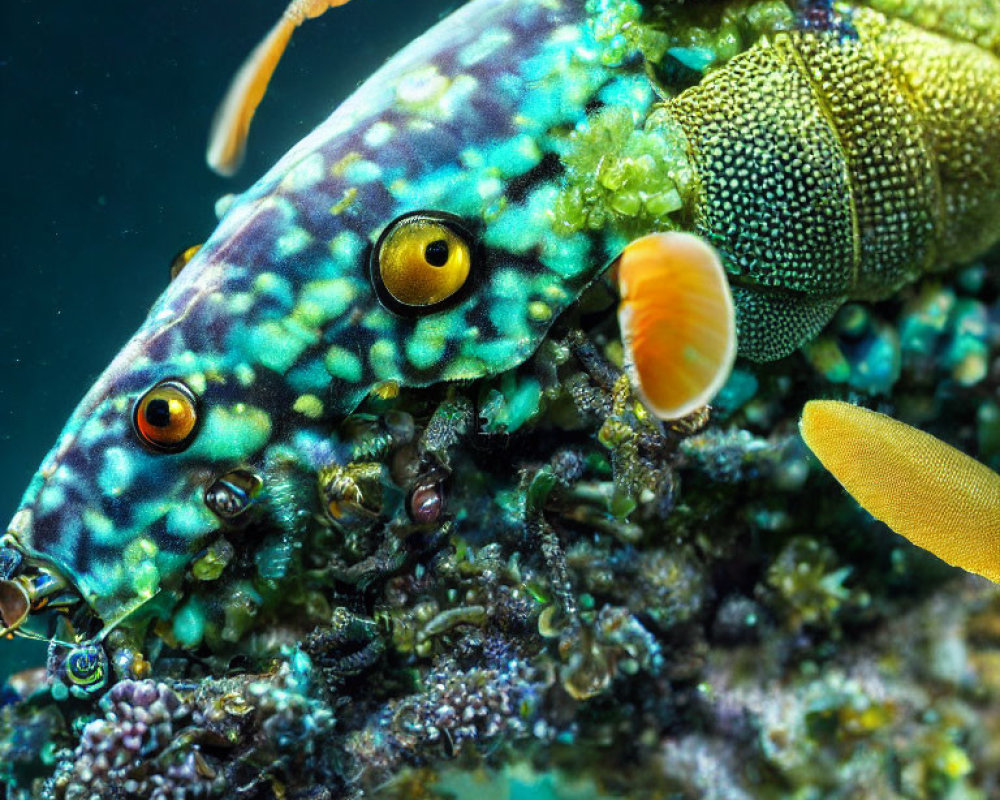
(572, 592)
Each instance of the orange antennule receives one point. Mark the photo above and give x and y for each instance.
(231, 125)
(934, 495)
(677, 322)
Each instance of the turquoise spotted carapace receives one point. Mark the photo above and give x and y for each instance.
(530, 141)
(275, 326)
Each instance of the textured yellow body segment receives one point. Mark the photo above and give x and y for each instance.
(894, 188)
(831, 167)
(954, 89)
(774, 193)
(973, 21)
(934, 495)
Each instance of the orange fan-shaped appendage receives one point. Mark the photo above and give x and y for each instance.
(934, 495)
(677, 322)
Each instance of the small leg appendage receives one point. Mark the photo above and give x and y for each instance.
(231, 125)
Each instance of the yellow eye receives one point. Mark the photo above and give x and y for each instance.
(421, 260)
(181, 260)
(165, 417)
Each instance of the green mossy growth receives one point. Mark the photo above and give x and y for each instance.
(700, 35)
(810, 583)
(623, 177)
(619, 30)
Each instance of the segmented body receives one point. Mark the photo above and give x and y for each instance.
(839, 165)
(823, 165)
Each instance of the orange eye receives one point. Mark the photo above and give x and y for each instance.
(182, 258)
(165, 417)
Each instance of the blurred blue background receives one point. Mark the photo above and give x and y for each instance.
(104, 114)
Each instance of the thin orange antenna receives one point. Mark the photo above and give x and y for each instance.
(231, 124)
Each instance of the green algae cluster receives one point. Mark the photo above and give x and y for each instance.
(698, 35)
(627, 178)
(629, 168)
(619, 30)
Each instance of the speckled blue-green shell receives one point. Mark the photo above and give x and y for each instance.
(534, 122)
(275, 325)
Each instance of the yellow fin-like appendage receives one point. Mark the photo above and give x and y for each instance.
(228, 136)
(934, 495)
(677, 322)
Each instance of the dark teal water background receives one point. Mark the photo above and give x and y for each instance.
(104, 114)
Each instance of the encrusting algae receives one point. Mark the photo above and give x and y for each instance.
(432, 469)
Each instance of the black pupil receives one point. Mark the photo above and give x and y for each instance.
(436, 253)
(158, 412)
